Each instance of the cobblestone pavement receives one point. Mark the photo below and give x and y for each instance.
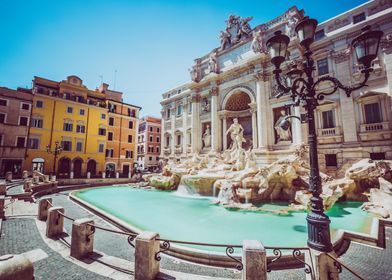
(371, 263)
(21, 235)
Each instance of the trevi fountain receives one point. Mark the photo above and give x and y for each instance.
(235, 180)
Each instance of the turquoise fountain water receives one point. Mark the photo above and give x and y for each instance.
(198, 220)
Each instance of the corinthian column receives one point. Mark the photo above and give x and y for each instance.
(185, 126)
(162, 142)
(196, 122)
(224, 124)
(297, 127)
(173, 129)
(262, 101)
(254, 125)
(214, 119)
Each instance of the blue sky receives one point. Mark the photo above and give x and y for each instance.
(150, 44)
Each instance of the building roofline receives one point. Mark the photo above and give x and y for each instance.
(121, 102)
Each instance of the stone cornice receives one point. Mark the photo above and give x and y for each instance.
(342, 55)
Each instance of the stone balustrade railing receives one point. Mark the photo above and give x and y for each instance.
(374, 127)
(253, 262)
(332, 131)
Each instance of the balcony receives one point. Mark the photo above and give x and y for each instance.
(178, 150)
(166, 150)
(330, 135)
(376, 65)
(375, 131)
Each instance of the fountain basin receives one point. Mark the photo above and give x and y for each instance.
(198, 220)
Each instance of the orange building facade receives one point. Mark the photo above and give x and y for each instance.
(122, 132)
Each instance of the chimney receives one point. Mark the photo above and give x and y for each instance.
(103, 87)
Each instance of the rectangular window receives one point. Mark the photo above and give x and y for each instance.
(130, 125)
(101, 147)
(127, 154)
(37, 123)
(69, 110)
(157, 149)
(178, 139)
(372, 113)
(151, 128)
(150, 158)
(322, 66)
(79, 146)
(67, 145)
(2, 118)
(68, 127)
(131, 154)
(328, 120)
(110, 136)
(111, 121)
(179, 110)
(129, 138)
(358, 18)
(102, 131)
(1, 139)
(3, 102)
(150, 138)
(158, 139)
(80, 128)
(190, 108)
(330, 160)
(82, 112)
(20, 142)
(158, 129)
(168, 114)
(39, 104)
(377, 156)
(33, 143)
(26, 106)
(23, 121)
(103, 116)
(319, 35)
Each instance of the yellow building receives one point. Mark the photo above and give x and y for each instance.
(70, 114)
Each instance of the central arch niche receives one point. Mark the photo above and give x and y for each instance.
(238, 101)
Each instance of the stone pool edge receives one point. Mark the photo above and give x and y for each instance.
(341, 241)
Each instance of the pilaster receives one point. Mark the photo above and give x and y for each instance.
(214, 119)
(196, 143)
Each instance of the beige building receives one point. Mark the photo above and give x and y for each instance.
(15, 117)
(235, 80)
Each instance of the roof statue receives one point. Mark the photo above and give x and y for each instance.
(237, 28)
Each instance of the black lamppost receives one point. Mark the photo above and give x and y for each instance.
(303, 92)
(57, 150)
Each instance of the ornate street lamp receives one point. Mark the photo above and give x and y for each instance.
(303, 92)
(57, 150)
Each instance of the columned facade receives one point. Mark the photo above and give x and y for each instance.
(236, 81)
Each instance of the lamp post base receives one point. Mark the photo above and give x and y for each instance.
(318, 232)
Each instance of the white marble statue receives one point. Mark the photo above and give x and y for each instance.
(237, 136)
(207, 137)
(213, 63)
(257, 43)
(283, 133)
